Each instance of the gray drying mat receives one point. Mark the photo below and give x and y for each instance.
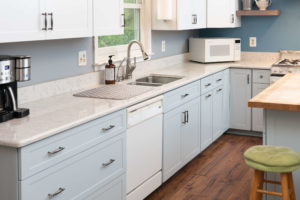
(115, 92)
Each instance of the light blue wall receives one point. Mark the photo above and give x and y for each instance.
(57, 59)
(273, 33)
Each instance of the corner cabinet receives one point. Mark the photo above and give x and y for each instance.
(109, 18)
(45, 19)
(222, 14)
(183, 14)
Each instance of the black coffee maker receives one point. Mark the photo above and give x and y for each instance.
(12, 69)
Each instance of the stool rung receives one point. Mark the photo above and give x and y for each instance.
(270, 192)
(272, 182)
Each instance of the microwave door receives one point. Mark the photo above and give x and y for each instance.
(220, 51)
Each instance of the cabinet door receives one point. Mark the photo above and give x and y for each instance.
(22, 20)
(108, 17)
(191, 131)
(240, 94)
(218, 112)
(222, 13)
(257, 113)
(191, 14)
(226, 101)
(69, 18)
(206, 120)
(173, 122)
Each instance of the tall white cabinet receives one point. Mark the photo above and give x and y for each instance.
(185, 14)
(109, 18)
(45, 19)
(222, 14)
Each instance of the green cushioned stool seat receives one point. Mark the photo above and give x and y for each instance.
(272, 158)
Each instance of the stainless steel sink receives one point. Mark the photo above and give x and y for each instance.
(155, 80)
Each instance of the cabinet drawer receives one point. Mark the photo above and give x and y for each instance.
(218, 79)
(48, 152)
(207, 84)
(75, 178)
(181, 95)
(261, 76)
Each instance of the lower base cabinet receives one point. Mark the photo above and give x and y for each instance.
(218, 112)
(181, 140)
(206, 120)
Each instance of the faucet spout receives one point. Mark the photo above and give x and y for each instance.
(131, 67)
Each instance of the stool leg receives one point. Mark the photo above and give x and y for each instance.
(292, 187)
(285, 186)
(257, 183)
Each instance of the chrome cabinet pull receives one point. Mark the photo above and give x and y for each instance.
(45, 22)
(56, 151)
(187, 116)
(51, 22)
(194, 19)
(111, 161)
(219, 90)
(208, 96)
(123, 20)
(108, 128)
(207, 85)
(232, 18)
(185, 95)
(248, 79)
(219, 80)
(59, 191)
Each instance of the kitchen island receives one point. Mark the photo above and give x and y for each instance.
(281, 103)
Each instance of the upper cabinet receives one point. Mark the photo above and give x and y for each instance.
(222, 14)
(45, 19)
(109, 18)
(178, 14)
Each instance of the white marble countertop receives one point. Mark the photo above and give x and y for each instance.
(58, 113)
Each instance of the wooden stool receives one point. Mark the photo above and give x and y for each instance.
(272, 159)
(287, 185)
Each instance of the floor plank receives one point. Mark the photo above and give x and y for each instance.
(218, 173)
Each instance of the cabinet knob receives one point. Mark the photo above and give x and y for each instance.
(261, 76)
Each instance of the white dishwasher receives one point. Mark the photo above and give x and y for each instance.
(144, 148)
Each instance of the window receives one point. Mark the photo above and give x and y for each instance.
(137, 27)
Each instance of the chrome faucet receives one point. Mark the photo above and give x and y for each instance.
(131, 67)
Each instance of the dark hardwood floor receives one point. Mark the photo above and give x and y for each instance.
(218, 173)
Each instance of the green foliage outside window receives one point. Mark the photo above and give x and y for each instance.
(131, 29)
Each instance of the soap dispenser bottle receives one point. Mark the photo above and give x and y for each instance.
(110, 70)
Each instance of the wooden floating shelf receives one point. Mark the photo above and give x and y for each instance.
(258, 12)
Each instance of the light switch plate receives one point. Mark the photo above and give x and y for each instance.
(82, 58)
(163, 46)
(252, 42)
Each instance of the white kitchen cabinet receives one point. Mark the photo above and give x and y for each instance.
(109, 18)
(257, 113)
(181, 140)
(206, 120)
(185, 14)
(218, 112)
(240, 94)
(45, 19)
(222, 14)
(21, 20)
(226, 101)
(69, 18)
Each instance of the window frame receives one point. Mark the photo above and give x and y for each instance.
(120, 51)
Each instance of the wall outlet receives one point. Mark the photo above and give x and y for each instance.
(163, 46)
(82, 59)
(252, 42)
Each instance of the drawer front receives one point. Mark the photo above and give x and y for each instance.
(218, 79)
(79, 175)
(181, 95)
(48, 152)
(261, 76)
(207, 84)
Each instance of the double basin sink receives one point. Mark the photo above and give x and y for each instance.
(155, 80)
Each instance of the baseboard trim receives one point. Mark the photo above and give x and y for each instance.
(244, 132)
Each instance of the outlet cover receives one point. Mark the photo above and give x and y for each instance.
(163, 46)
(82, 58)
(252, 42)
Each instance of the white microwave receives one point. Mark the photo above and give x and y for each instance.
(207, 50)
